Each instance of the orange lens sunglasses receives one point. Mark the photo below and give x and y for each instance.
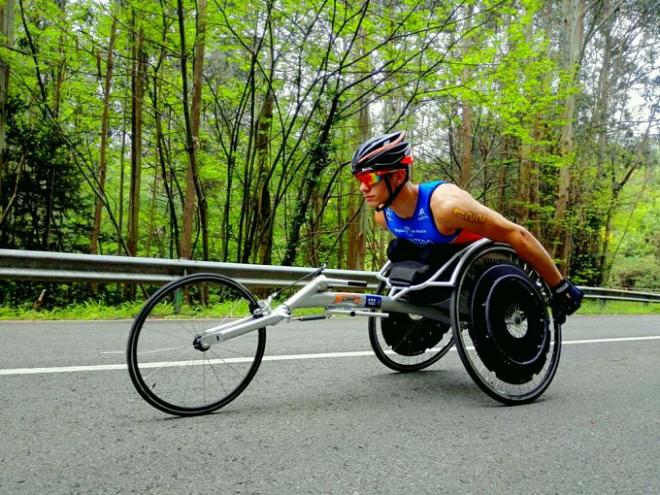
(370, 178)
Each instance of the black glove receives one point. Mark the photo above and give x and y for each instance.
(566, 299)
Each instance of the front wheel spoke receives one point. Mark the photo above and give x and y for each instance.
(165, 364)
(204, 382)
(217, 377)
(228, 365)
(230, 350)
(164, 333)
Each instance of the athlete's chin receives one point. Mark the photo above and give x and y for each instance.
(371, 201)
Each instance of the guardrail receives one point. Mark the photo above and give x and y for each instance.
(70, 267)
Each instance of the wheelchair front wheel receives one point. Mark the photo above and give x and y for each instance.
(505, 335)
(168, 370)
(407, 343)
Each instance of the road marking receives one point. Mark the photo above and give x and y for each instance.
(145, 352)
(282, 357)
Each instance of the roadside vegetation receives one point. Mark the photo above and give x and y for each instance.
(126, 311)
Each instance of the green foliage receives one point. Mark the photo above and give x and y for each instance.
(593, 307)
(88, 310)
(268, 170)
(47, 208)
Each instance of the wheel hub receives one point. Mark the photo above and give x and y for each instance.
(515, 321)
(510, 328)
(199, 345)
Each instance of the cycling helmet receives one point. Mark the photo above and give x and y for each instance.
(382, 155)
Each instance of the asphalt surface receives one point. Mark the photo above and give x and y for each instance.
(335, 425)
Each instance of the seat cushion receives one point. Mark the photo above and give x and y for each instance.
(409, 272)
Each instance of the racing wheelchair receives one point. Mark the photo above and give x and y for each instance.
(482, 298)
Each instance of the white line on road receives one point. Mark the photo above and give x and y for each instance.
(283, 357)
(144, 352)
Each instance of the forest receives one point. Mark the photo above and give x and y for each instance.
(220, 129)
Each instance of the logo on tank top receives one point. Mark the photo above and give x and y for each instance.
(422, 214)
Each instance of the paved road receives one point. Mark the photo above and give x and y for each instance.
(336, 425)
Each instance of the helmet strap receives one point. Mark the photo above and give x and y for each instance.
(393, 193)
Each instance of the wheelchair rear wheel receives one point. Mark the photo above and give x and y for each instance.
(408, 343)
(505, 334)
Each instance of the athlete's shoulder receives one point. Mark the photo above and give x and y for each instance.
(379, 216)
(446, 195)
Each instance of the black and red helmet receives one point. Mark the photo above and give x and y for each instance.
(381, 153)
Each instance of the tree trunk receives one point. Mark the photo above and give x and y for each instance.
(165, 170)
(196, 116)
(58, 80)
(7, 28)
(318, 161)
(466, 143)
(136, 139)
(466, 112)
(122, 172)
(340, 225)
(571, 46)
(192, 118)
(357, 214)
(151, 228)
(502, 177)
(226, 219)
(60, 65)
(601, 126)
(105, 134)
(264, 224)
(524, 183)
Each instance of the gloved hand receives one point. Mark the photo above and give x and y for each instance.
(566, 299)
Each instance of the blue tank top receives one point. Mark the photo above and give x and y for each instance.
(419, 229)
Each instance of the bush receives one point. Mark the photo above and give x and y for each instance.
(636, 272)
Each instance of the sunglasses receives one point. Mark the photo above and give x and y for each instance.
(370, 178)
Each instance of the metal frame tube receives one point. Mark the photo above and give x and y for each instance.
(311, 297)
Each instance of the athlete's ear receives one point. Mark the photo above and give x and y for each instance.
(400, 176)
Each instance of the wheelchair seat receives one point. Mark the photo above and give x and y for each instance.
(412, 265)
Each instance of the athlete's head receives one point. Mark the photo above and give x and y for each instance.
(382, 160)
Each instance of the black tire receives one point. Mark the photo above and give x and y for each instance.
(405, 361)
(168, 371)
(503, 386)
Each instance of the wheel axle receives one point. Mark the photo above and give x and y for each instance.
(199, 345)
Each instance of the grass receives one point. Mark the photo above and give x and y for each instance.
(89, 310)
(92, 310)
(592, 307)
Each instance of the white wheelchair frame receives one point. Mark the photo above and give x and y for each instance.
(451, 312)
(315, 294)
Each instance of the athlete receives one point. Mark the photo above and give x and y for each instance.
(442, 213)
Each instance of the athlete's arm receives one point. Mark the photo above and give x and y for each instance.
(454, 208)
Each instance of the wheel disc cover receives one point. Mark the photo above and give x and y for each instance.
(510, 327)
(411, 337)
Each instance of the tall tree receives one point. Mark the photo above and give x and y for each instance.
(572, 44)
(465, 134)
(194, 189)
(105, 134)
(6, 31)
(137, 83)
(357, 213)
